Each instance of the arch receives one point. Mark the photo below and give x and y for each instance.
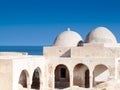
(36, 79)
(81, 76)
(24, 78)
(62, 78)
(80, 43)
(100, 74)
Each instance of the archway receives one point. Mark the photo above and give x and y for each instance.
(100, 74)
(62, 79)
(36, 79)
(23, 79)
(81, 76)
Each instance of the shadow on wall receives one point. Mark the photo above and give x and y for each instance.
(81, 76)
(66, 54)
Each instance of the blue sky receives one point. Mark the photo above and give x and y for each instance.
(38, 22)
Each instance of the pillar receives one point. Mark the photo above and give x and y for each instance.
(71, 78)
(30, 80)
(91, 79)
(116, 68)
(29, 86)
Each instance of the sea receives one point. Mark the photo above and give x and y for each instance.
(31, 50)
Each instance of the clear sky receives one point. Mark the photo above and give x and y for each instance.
(38, 22)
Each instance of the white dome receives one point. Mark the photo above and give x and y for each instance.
(100, 35)
(67, 39)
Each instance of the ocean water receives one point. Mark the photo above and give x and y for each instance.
(32, 50)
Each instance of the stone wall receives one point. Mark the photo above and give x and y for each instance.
(5, 75)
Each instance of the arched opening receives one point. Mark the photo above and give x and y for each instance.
(23, 79)
(81, 76)
(36, 79)
(62, 79)
(80, 43)
(100, 74)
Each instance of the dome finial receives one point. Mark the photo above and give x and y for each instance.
(68, 29)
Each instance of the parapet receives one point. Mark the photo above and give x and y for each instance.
(56, 51)
(93, 50)
(13, 53)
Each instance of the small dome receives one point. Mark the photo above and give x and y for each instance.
(100, 35)
(67, 39)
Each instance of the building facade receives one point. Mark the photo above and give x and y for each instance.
(69, 62)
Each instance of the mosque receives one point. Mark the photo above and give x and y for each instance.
(69, 62)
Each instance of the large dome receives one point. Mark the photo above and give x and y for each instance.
(67, 39)
(100, 35)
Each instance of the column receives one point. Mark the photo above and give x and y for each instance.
(116, 68)
(91, 79)
(29, 86)
(29, 83)
(71, 78)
